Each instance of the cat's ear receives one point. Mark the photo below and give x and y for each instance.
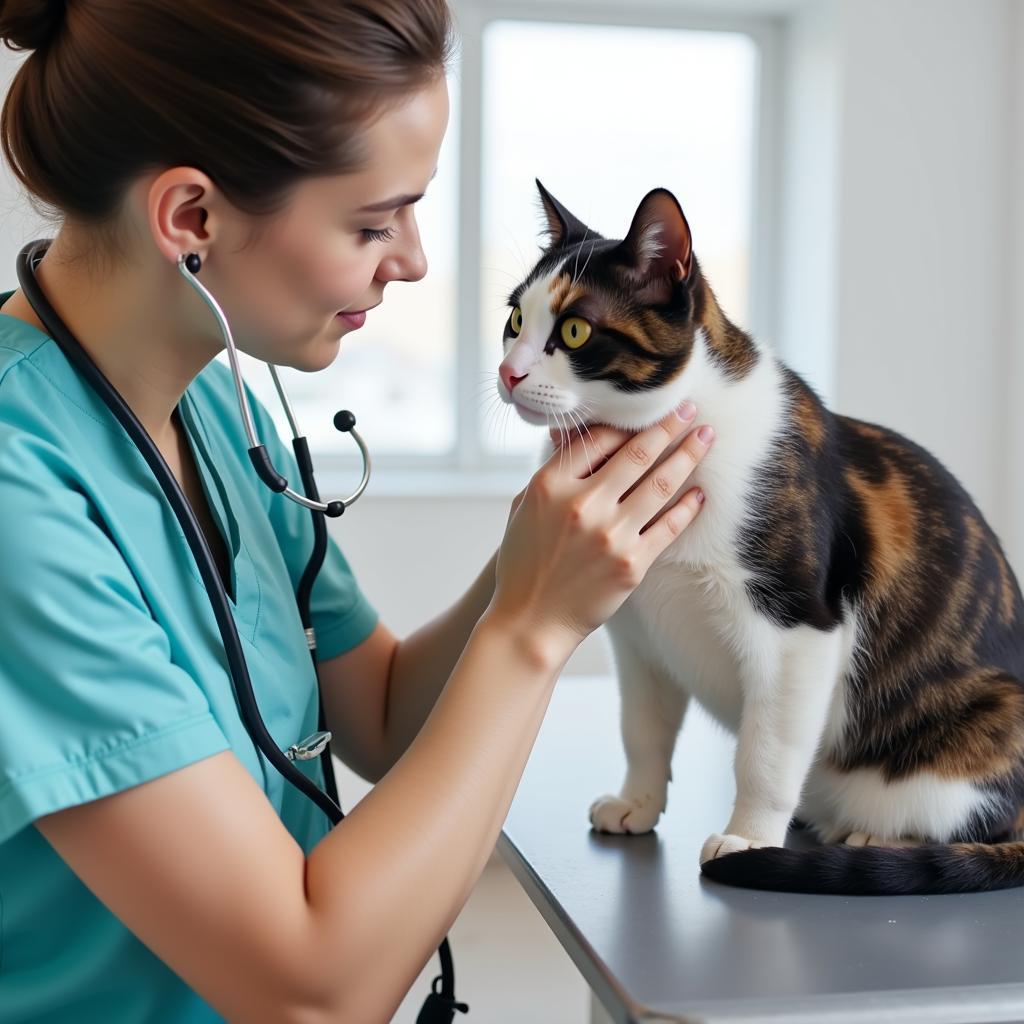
(562, 227)
(657, 252)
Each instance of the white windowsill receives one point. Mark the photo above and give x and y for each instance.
(428, 482)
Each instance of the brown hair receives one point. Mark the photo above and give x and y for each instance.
(258, 94)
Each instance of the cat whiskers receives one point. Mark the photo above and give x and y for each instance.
(494, 409)
(567, 431)
(586, 409)
(505, 422)
(502, 411)
(488, 403)
(570, 427)
(524, 265)
(577, 421)
(562, 438)
(487, 382)
(576, 264)
(492, 412)
(586, 262)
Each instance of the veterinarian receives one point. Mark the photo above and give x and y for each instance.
(246, 174)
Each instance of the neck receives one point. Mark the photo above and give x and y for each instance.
(731, 348)
(737, 387)
(126, 319)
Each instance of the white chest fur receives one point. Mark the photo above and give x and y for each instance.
(692, 612)
(687, 636)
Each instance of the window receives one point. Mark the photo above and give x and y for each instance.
(601, 113)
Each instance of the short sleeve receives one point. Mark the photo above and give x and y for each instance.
(90, 701)
(341, 614)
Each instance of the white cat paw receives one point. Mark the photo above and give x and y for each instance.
(614, 814)
(718, 846)
(870, 839)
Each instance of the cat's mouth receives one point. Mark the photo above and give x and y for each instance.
(540, 402)
(531, 415)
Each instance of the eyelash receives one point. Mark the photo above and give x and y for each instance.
(379, 234)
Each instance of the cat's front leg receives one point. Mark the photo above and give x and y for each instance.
(653, 706)
(788, 684)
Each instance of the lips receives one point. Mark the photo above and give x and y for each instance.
(353, 319)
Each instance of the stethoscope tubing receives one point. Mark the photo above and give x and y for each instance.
(194, 535)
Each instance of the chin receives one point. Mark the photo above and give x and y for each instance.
(316, 355)
(526, 414)
(535, 419)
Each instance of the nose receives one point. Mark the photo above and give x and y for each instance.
(507, 377)
(405, 260)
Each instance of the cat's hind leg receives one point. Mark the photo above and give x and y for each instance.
(952, 775)
(653, 706)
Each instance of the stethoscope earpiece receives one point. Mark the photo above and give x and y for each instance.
(193, 262)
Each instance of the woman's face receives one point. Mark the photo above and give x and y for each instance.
(321, 264)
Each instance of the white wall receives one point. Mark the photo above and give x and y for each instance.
(1012, 397)
(809, 200)
(924, 191)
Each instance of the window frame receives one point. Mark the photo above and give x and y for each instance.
(468, 469)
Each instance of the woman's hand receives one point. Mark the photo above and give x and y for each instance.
(583, 533)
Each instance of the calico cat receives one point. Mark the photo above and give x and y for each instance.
(839, 604)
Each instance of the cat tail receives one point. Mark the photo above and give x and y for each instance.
(874, 870)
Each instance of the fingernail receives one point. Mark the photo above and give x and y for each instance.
(705, 434)
(686, 411)
(699, 496)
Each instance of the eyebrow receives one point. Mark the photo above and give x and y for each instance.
(391, 204)
(396, 202)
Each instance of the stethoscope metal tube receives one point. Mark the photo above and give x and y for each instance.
(440, 1005)
(189, 265)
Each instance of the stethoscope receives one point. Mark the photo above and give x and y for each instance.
(440, 1005)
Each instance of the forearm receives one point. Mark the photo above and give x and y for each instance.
(385, 886)
(424, 660)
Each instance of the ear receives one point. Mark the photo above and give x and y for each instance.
(657, 251)
(562, 227)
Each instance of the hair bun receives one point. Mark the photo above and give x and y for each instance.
(30, 24)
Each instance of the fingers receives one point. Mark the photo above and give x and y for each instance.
(651, 493)
(670, 524)
(584, 449)
(516, 502)
(634, 458)
(587, 447)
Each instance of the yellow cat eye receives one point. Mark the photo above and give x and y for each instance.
(575, 331)
(516, 321)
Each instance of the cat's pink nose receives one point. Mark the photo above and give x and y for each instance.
(508, 378)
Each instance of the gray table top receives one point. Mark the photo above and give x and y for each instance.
(657, 943)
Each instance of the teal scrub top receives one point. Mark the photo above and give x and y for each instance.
(112, 670)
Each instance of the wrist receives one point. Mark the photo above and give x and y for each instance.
(541, 650)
